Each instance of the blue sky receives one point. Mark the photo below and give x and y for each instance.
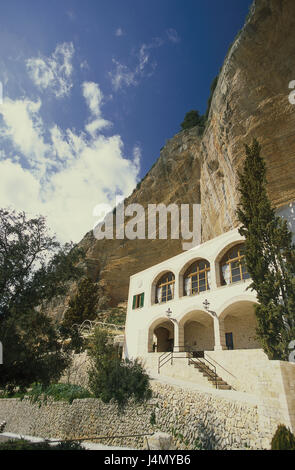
(93, 89)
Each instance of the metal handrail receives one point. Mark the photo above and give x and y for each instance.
(191, 360)
(168, 355)
(88, 325)
(162, 359)
(218, 364)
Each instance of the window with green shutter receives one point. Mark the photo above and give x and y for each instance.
(134, 302)
(138, 301)
(141, 300)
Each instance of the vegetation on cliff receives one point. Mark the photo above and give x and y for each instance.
(192, 119)
(270, 257)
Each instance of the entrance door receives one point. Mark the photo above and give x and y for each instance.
(229, 340)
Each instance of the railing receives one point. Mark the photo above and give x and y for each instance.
(165, 357)
(169, 356)
(219, 365)
(194, 357)
(87, 326)
(207, 369)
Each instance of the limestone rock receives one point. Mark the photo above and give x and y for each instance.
(250, 100)
(160, 441)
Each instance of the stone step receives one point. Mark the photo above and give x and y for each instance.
(209, 375)
(224, 387)
(215, 379)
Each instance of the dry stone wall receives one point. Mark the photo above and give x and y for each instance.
(192, 417)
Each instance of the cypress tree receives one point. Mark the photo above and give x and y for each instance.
(84, 305)
(269, 256)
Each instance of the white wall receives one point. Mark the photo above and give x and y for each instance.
(139, 320)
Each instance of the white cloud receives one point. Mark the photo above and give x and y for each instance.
(53, 72)
(84, 65)
(122, 75)
(93, 97)
(97, 125)
(89, 168)
(18, 188)
(137, 156)
(24, 127)
(173, 35)
(119, 32)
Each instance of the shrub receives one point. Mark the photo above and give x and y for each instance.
(58, 392)
(192, 119)
(283, 439)
(111, 378)
(22, 444)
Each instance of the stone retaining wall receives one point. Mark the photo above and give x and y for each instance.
(190, 415)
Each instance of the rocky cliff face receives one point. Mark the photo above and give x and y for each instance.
(250, 100)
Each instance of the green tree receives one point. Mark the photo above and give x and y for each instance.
(113, 378)
(270, 257)
(283, 439)
(192, 119)
(83, 306)
(34, 268)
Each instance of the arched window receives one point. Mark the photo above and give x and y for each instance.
(233, 268)
(165, 288)
(197, 278)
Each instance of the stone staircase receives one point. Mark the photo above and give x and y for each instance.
(209, 374)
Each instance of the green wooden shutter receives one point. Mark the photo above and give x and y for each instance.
(141, 302)
(134, 302)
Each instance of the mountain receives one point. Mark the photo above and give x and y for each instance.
(250, 100)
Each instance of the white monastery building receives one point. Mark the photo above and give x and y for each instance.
(205, 288)
(192, 318)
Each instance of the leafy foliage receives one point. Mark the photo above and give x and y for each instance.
(192, 119)
(113, 378)
(83, 305)
(270, 258)
(283, 439)
(58, 392)
(34, 268)
(22, 444)
(115, 315)
(32, 350)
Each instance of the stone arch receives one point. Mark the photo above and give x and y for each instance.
(161, 335)
(239, 324)
(197, 330)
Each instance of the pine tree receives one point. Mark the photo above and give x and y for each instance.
(192, 119)
(84, 305)
(269, 256)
